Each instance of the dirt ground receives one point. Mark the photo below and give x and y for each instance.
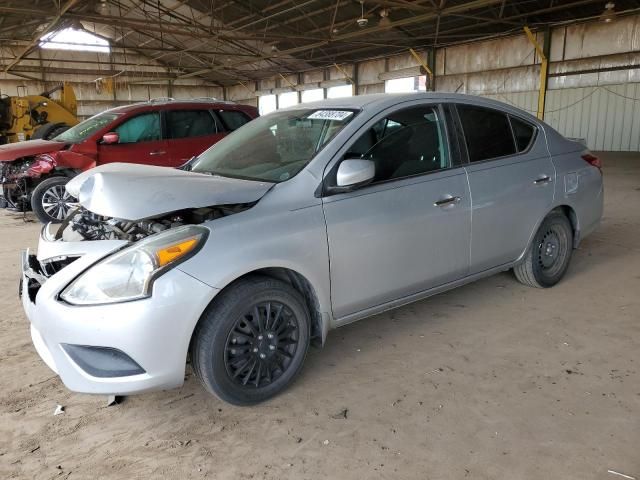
(493, 380)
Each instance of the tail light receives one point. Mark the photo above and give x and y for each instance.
(591, 159)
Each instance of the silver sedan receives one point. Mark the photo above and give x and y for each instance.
(299, 222)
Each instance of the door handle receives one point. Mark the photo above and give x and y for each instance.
(449, 200)
(542, 180)
(157, 152)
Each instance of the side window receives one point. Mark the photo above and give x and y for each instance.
(190, 123)
(487, 133)
(523, 132)
(408, 142)
(233, 119)
(142, 128)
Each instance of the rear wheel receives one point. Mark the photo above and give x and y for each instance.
(50, 200)
(548, 256)
(251, 343)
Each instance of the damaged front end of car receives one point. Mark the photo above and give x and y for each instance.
(63, 244)
(83, 225)
(20, 177)
(16, 183)
(124, 206)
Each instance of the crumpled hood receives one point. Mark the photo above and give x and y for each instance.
(135, 192)
(13, 151)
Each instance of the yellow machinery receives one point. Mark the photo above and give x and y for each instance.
(27, 117)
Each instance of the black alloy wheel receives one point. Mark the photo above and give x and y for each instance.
(261, 344)
(251, 342)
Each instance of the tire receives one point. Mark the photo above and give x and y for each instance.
(240, 356)
(548, 256)
(50, 200)
(48, 131)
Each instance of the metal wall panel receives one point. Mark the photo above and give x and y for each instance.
(606, 116)
(527, 101)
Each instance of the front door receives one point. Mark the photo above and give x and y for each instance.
(141, 141)
(409, 230)
(511, 177)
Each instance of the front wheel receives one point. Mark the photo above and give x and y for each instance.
(50, 200)
(251, 343)
(548, 256)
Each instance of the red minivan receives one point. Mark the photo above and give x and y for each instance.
(159, 132)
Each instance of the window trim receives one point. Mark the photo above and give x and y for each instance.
(463, 139)
(328, 185)
(534, 137)
(456, 134)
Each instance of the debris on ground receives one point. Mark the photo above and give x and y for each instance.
(59, 410)
(613, 472)
(326, 442)
(341, 414)
(114, 400)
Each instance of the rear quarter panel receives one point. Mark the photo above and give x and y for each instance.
(579, 185)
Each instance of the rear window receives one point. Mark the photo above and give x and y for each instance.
(233, 119)
(523, 133)
(487, 133)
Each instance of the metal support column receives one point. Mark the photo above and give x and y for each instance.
(431, 62)
(422, 62)
(544, 67)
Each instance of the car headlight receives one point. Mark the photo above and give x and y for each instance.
(129, 274)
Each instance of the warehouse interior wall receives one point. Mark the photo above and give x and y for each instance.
(593, 92)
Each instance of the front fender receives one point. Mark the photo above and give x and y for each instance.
(75, 161)
(63, 160)
(259, 239)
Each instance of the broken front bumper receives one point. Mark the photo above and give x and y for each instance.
(119, 348)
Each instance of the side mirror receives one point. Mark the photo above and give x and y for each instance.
(110, 138)
(355, 172)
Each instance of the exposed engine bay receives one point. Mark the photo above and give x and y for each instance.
(83, 225)
(14, 180)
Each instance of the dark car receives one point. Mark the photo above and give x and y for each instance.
(164, 133)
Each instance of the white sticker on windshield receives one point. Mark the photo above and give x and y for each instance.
(337, 115)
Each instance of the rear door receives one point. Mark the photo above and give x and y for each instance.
(140, 142)
(511, 178)
(190, 132)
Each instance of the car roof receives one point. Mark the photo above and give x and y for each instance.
(172, 103)
(379, 101)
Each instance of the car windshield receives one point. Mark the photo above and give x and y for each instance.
(84, 129)
(275, 147)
